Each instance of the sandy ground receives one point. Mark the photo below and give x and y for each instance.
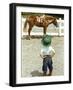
(32, 62)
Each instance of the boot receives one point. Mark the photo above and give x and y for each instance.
(50, 73)
(44, 73)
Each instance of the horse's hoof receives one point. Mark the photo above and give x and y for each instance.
(28, 38)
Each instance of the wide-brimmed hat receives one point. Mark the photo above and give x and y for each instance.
(46, 40)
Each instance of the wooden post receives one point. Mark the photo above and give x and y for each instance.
(60, 26)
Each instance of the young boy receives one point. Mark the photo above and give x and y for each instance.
(47, 52)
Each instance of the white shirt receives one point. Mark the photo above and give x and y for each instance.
(47, 50)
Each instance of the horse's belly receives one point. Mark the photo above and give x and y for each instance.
(39, 25)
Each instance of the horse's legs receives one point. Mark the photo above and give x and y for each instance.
(29, 30)
(45, 28)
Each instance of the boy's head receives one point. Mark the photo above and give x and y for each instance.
(46, 40)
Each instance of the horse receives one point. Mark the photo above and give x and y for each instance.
(39, 21)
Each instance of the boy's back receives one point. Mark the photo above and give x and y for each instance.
(47, 51)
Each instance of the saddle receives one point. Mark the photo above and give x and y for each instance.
(40, 19)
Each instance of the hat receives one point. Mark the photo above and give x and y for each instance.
(46, 40)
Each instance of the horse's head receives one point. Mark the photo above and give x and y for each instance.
(51, 19)
(55, 22)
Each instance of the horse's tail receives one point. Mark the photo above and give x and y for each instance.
(25, 25)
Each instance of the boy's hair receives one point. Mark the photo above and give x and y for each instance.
(46, 40)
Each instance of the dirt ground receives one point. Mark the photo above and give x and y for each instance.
(31, 61)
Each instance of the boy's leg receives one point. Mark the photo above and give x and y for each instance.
(44, 67)
(50, 72)
(50, 66)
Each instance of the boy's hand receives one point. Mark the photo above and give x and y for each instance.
(42, 56)
(52, 53)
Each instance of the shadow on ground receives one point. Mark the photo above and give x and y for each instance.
(31, 37)
(36, 73)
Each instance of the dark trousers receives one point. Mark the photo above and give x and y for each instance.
(47, 64)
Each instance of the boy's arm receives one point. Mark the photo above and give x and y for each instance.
(42, 56)
(52, 52)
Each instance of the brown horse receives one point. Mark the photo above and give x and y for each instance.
(40, 21)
